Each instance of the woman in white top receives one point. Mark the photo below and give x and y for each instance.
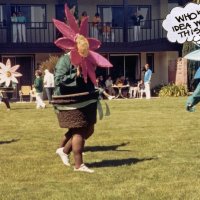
(14, 27)
(49, 84)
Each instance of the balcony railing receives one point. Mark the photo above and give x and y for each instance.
(40, 32)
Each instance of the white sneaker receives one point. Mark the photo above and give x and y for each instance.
(111, 97)
(84, 168)
(64, 157)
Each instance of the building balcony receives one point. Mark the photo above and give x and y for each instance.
(37, 37)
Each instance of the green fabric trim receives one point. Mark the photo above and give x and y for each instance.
(107, 110)
(63, 72)
(100, 110)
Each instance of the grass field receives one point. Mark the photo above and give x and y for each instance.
(145, 150)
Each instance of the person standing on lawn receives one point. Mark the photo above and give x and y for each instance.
(147, 81)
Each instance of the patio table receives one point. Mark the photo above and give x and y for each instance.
(119, 88)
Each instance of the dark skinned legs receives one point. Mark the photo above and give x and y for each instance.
(66, 142)
(77, 148)
(74, 140)
(6, 101)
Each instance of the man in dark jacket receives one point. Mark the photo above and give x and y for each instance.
(136, 17)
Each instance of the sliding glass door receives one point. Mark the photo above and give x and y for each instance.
(127, 65)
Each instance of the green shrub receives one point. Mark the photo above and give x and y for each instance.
(155, 91)
(173, 90)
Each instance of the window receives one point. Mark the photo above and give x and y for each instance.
(2, 15)
(36, 14)
(114, 14)
(150, 61)
(127, 65)
(172, 4)
(144, 11)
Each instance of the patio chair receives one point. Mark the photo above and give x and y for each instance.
(25, 91)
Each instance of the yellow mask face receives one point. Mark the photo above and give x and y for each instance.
(82, 45)
(8, 74)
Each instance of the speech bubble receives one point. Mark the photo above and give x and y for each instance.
(183, 24)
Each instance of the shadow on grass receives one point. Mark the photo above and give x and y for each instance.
(116, 163)
(30, 108)
(9, 141)
(106, 148)
(22, 108)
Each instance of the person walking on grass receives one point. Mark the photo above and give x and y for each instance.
(147, 81)
(8, 81)
(4, 98)
(75, 82)
(38, 84)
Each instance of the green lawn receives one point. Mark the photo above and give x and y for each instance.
(145, 150)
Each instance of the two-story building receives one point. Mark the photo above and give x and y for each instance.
(126, 48)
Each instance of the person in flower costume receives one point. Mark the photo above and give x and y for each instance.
(194, 99)
(8, 81)
(75, 98)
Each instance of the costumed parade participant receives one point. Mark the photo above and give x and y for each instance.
(75, 97)
(8, 81)
(194, 99)
(173, 35)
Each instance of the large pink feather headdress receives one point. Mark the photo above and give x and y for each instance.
(81, 47)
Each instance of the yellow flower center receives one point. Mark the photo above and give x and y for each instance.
(8, 74)
(82, 45)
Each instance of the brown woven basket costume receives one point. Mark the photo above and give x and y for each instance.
(81, 117)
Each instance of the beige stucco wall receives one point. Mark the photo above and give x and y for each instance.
(161, 61)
